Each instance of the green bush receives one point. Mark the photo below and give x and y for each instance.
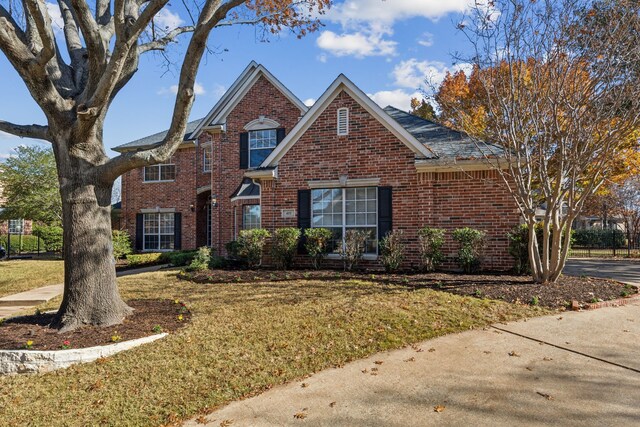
(317, 241)
(430, 242)
(21, 244)
(598, 238)
(353, 248)
(121, 244)
(392, 250)
(251, 245)
(284, 244)
(519, 248)
(233, 248)
(138, 260)
(471, 249)
(201, 259)
(177, 258)
(51, 237)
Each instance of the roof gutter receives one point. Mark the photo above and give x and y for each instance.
(453, 165)
(264, 174)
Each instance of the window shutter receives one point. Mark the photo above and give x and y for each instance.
(304, 216)
(385, 212)
(244, 150)
(343, 121)
(177, 231)
(139, 232)
(280, 134)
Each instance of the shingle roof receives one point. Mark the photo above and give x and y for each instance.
(444, 142)
(155, 139)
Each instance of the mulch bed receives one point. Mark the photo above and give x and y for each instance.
(150, 317)
(509, 288)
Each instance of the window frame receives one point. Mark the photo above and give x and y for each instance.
(244, 222)
(11, 226)
(207, 158)
(344, 226)
(250, 149)
(160, 167)
(158, 233)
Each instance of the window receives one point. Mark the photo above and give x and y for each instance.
(251, 217)
(343, 121)
(157, 173)
(261, 144)
(342, 209)
(206, 158)
(16, 226)
(159, 231)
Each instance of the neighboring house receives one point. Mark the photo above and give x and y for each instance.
(13, 226)
(261, 158)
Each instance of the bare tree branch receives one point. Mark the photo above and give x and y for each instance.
(43, 25)
(163, 42)
(25, 131)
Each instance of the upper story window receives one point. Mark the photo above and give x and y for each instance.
(159, 173)
(16, 226)
(206, 158)
(261, 144)
(343, 121)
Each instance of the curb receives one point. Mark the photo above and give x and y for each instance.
(611, 303)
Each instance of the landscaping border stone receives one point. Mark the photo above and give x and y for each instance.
(31, 361)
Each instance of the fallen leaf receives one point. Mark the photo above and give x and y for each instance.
(304, 385)
(431, 350)
(560, 318)
(438, 408)
(332, 404)
(547, 359)
(374, 369)
(300, 415)
(514, 354)
(365, 370)
(626, 330)
(378, 362)
(374, 373)
(486, 352)
(529, 368)
(411, 359)
(545, 395)
(201, 419)
(226, 423)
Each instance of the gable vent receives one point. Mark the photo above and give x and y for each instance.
(343, 121)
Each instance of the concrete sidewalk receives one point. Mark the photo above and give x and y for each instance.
(576, 368)
(16, 303)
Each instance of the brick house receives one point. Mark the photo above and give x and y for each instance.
(15, 226)
(261, 158)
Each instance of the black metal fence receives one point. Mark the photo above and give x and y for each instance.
(605, 243)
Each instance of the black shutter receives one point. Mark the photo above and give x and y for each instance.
(139, 232)
(279, 135)
(177, 231)
(385, 212)
(244, 150)
(304, 216)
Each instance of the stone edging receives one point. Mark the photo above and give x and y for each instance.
(32, 361)
(612, 303)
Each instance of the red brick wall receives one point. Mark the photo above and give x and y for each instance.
(28, 227)
(371, 151)
(263, 99)
(179, 194)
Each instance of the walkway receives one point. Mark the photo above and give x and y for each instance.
(13, 304)
(573, 369)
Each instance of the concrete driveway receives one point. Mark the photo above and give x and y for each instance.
(572, 369)
(621, 270)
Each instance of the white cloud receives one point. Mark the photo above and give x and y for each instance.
(398, 98)
(322, 57)
(309, 102)
(56, 17)
(218, 91)
(393, 10)
(5, 135)
(358, 44)
(415, 74)
(426, 40)
(198, 89)
(167, 20)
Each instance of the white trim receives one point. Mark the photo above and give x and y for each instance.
(262, 174)
(261, 123)
(336, 183)
(448, 165)
(157, 210)
(233, 199)
(342, 83)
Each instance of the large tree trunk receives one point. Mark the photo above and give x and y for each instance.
(91, 294)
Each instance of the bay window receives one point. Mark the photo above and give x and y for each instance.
(343, 209)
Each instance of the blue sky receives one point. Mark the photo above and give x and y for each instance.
(386, 47)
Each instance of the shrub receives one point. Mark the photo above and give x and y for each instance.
(392, 250)
(317, 241)
(20, 244)
(519, 248)
(51, 237)
(121, 244)
(232, 248)
(251, 245)
(201, 260)
(178, 258)
(598, 238)
(353, 248)
(430, 242)
(137, 260)
(284, 245)
(471, 248)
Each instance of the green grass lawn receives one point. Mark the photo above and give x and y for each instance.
(244, 339)
(23, 275)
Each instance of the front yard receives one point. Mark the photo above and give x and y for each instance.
(23, 275)
(244, 338)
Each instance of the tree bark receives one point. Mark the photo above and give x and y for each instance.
(91, 295)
